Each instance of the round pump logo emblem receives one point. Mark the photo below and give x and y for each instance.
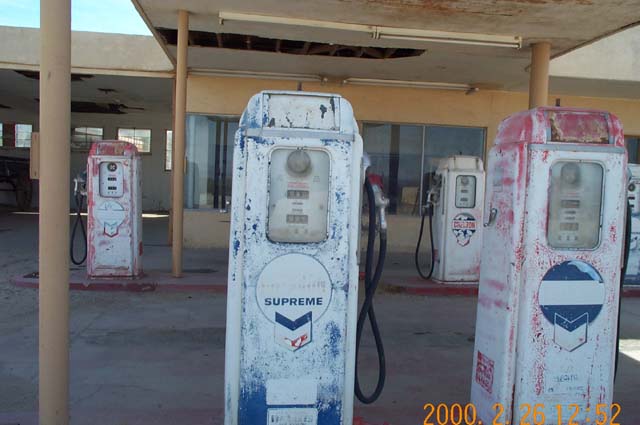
(463, 226)
(293, 290)
(571, 296)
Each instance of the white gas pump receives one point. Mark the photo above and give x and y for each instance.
(114, 199)
(550, 272)
(457, 201)
(293, 264)
(632, 276)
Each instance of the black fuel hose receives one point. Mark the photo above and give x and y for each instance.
(429, 212)
(371, 280)
(623, 272)
(78, 223)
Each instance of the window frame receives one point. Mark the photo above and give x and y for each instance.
(86, 144)
(168, 152)
(150, 151)
(16, 136)
(2, 138)
(222, 117)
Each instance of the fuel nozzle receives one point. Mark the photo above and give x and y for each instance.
(433, 194)
(381, 202)
(80, 184)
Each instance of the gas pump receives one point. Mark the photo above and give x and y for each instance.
(114, 199)
(632, 276)
(292, 296)
(550, 272)
(454, 203)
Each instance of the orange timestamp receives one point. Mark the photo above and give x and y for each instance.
(459, 414)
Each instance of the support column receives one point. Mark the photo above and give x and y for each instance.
(539, 74)
(178, 168)
(55, 122)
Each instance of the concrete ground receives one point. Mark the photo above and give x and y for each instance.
(158, 358)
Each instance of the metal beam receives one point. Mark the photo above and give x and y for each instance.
(539, 74)
(178, 167)
(55, 122)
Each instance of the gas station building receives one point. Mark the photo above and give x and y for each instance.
(426, 80)
(416, 100)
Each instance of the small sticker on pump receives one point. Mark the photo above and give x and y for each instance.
(293, 416)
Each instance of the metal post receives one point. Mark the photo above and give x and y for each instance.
(55, 122)
(539, 74)
(178, 168)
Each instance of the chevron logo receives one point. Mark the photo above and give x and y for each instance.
(293, 334)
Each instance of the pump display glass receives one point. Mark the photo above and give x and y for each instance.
(298, 195)
(575, 205)
(465, 191)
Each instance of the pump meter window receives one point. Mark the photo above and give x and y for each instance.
(111, 177)
(298, 195)
(575, 205)
(465, 191)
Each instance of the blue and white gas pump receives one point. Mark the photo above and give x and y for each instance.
(293, 263)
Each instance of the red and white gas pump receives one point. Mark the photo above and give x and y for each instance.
(114, 199)
(547, 316)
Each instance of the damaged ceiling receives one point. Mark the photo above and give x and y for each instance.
(279, 45)
(567, 24)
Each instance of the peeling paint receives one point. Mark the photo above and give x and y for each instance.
(114, 223)
(531, 365)
(457, 230)
(266, 357)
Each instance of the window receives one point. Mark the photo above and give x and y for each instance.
(15, 135)
(395, 151)
(402, 154)
(633, 144)
(168, 146)
(138, 136)
(209, 154)
(23, 135)
(83, 137)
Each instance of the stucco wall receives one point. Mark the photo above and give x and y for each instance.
(229, 96)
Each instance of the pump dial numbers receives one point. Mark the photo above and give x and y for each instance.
(575, 205)
(298, 191)
(465, 196)
(111, 180)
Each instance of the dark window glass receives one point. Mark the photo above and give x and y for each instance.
(396, 153)
(633, 144)
(209, 152)
(445, 141)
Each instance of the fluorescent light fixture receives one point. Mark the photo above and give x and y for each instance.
(254, 74)
(382, 32)
(453, 38)
(402, 83)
